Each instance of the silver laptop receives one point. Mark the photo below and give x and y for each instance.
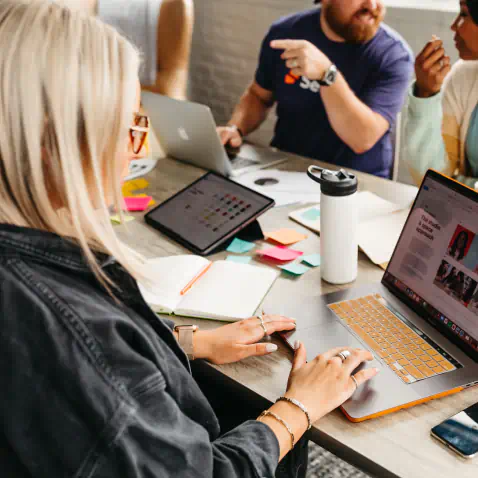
(421, 321)
(187, 132)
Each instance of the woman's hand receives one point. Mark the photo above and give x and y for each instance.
(431, 67)
(236, 341)
(325, 383)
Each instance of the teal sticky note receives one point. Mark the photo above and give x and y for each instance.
(311, 214)
(312, 260)
(239, 246)
(241, 259)
(296, 268)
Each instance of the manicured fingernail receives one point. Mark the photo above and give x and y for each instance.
(296, 344)
(271, 348)
(376, 370)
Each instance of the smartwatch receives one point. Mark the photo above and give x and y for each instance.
(185, 338)
(329, 76)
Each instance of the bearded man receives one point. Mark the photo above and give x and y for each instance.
(339, 77)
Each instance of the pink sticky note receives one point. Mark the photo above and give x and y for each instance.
(280, 253)
(135, 203)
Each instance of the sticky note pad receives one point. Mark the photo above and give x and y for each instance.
(312, 260)
(285, 236)
(241, 259)
(117, 220)
(295, 269)
(280, 253)
(151, 203)
(239, 246)
(130, 186)
(136, 203)
(311, 214)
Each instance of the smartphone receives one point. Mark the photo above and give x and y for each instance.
(460, 432)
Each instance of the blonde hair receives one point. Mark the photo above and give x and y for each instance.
(68, 85)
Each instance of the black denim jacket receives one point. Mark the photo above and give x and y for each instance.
(91, 388)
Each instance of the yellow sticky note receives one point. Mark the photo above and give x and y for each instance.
(285, 236)
(130, 186)
(116, 219)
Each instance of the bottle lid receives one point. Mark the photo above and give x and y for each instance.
(334, 183)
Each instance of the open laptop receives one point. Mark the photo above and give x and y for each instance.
(187, 132)
(421, 321)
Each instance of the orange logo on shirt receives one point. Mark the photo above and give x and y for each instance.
(290, 79)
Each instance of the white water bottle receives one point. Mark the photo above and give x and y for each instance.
(338, 224)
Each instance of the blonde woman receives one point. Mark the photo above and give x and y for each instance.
(93, 383)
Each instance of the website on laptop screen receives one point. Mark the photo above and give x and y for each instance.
(436, 260)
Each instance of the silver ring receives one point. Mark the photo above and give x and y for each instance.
(263, 325)
(294, 63)
(355, 381)
(344, 355)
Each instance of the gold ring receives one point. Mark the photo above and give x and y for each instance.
(355, 381)
(262, 325)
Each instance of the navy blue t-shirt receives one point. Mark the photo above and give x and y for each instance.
(378, 72)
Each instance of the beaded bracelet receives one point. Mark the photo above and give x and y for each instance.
(280, 420)
(299, 405)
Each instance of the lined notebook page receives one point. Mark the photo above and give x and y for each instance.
(228, 291)
(171, 275)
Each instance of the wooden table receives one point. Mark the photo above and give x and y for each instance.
(397, 445)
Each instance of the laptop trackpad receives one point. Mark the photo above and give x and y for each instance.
(322, 338)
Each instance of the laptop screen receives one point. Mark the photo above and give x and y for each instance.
(434, 268)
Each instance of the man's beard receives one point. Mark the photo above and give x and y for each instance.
(352, 32)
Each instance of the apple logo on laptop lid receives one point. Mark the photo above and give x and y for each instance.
(183, 134)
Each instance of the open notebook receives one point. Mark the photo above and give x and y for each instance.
(380, 225)
(193, 286)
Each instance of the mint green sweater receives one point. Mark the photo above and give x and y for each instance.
(441, 132)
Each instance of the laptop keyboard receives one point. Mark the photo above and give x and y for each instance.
(239, 162)
(399, 346)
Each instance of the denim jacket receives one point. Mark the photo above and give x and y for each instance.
(93, 388)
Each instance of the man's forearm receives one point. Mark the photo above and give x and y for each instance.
(250, 113)
(352, 120)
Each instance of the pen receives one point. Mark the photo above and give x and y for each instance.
(195, 278)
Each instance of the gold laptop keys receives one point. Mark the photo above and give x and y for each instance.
(403, 348)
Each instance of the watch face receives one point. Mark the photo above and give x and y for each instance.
(331, 75)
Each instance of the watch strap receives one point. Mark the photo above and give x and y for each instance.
(185, 339)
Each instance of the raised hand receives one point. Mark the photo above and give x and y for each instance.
(303, 58)
(431, 67)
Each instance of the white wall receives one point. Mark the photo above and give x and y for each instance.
(228, 34)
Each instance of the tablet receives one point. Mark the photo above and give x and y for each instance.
(208, 212)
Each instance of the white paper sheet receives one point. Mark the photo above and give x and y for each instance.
(284, 187)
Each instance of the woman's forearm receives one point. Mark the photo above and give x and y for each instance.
(294, 417)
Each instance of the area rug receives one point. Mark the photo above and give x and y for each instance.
(323, 464)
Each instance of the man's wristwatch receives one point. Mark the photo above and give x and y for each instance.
(235, 127)
(329, 76)
(185, 338)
